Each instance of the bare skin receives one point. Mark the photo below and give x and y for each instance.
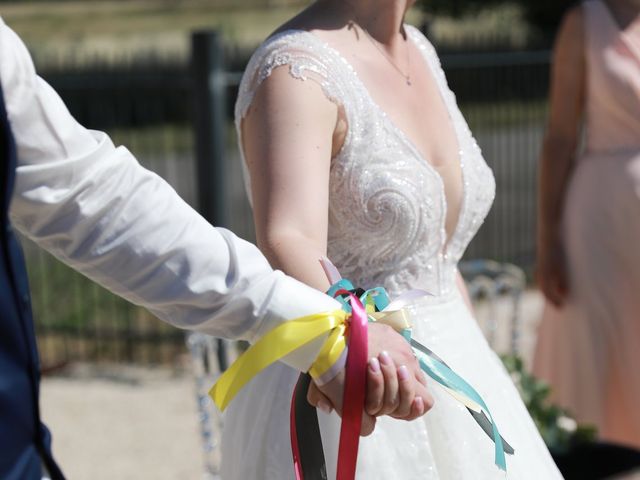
(292, 131)
(558, 153)
(566, 111)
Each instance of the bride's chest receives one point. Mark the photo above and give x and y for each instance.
(383, 191)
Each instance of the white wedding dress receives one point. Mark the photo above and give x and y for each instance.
(386, 227)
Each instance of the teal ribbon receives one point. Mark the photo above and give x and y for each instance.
(441, 373)
(436, 368)
(376, 296)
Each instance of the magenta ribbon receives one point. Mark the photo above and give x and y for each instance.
(354, 391)
(352, 405)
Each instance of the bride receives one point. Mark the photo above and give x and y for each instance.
(354, 148)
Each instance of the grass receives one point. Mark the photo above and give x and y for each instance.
(114, 27)
(132, 26)
(78, 320)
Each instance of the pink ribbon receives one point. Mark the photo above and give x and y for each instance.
(354, 391)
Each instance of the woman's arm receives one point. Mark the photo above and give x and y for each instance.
(288, 135)
(559, 151)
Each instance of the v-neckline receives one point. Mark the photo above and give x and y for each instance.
(631, 43)
(447, 240)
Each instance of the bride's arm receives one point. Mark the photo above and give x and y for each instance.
(558, 152)
(288, 135)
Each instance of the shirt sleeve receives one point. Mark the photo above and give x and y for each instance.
(95, 208)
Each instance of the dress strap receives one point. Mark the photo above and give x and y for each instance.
(307, 57)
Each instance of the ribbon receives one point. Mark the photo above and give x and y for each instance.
(354, 392)
(437, 369)
(306, 442)
(308, 460)
(277, 343)
(395, 315)
(286, 338)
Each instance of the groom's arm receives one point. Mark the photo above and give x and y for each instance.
(95, 208)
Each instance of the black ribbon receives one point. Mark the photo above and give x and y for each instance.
(308, 432)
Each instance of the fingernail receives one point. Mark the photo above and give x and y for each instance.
(374, 365)
(419, 404)
(324, 407)
(385, 359)
(403, 372)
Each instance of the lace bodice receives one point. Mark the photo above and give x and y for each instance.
(387, 204)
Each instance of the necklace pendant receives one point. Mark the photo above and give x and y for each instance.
(408, 79)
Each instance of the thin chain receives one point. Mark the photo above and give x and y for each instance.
(407, 76)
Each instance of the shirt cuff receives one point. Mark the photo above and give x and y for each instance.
(291, 299)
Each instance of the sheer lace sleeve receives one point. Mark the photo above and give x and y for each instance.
(306, 60)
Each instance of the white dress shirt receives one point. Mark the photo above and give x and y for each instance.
(95, 208)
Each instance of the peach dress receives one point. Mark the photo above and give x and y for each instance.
(589, 351)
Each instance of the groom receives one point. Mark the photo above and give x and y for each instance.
(94, 207)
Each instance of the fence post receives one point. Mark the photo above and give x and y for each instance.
(210, 87)
(210, 124)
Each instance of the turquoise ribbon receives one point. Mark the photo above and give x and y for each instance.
(433, 366)
(442, 374)
(378, 295)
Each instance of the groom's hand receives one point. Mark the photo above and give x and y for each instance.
(395, 383)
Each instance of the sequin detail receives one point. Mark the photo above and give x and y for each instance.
(387, 204)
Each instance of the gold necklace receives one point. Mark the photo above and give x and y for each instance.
(407, 76)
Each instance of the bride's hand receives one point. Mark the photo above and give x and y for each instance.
(395, 383)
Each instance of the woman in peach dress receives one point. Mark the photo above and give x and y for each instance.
(589, 226)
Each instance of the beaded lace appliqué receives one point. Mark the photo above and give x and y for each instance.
(387, 204)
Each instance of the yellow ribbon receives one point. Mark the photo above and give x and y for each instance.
(399, 320)
(278, 343)
(330, 352)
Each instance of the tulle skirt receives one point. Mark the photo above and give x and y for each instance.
(589, 351)
(444, 444)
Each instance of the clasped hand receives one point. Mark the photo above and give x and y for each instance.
(395, 384)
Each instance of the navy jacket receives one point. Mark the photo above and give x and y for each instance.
(25, 443)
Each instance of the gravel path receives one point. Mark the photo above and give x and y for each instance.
(121, 423)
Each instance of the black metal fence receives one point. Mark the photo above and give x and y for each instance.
(170, 112)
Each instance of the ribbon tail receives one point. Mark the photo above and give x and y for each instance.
(330, 270)
(487, 427)
(407, 298)
(433, 366)
(306, 442)
(276, 344)
(354, 393)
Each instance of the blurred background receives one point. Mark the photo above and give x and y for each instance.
(161, 78)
